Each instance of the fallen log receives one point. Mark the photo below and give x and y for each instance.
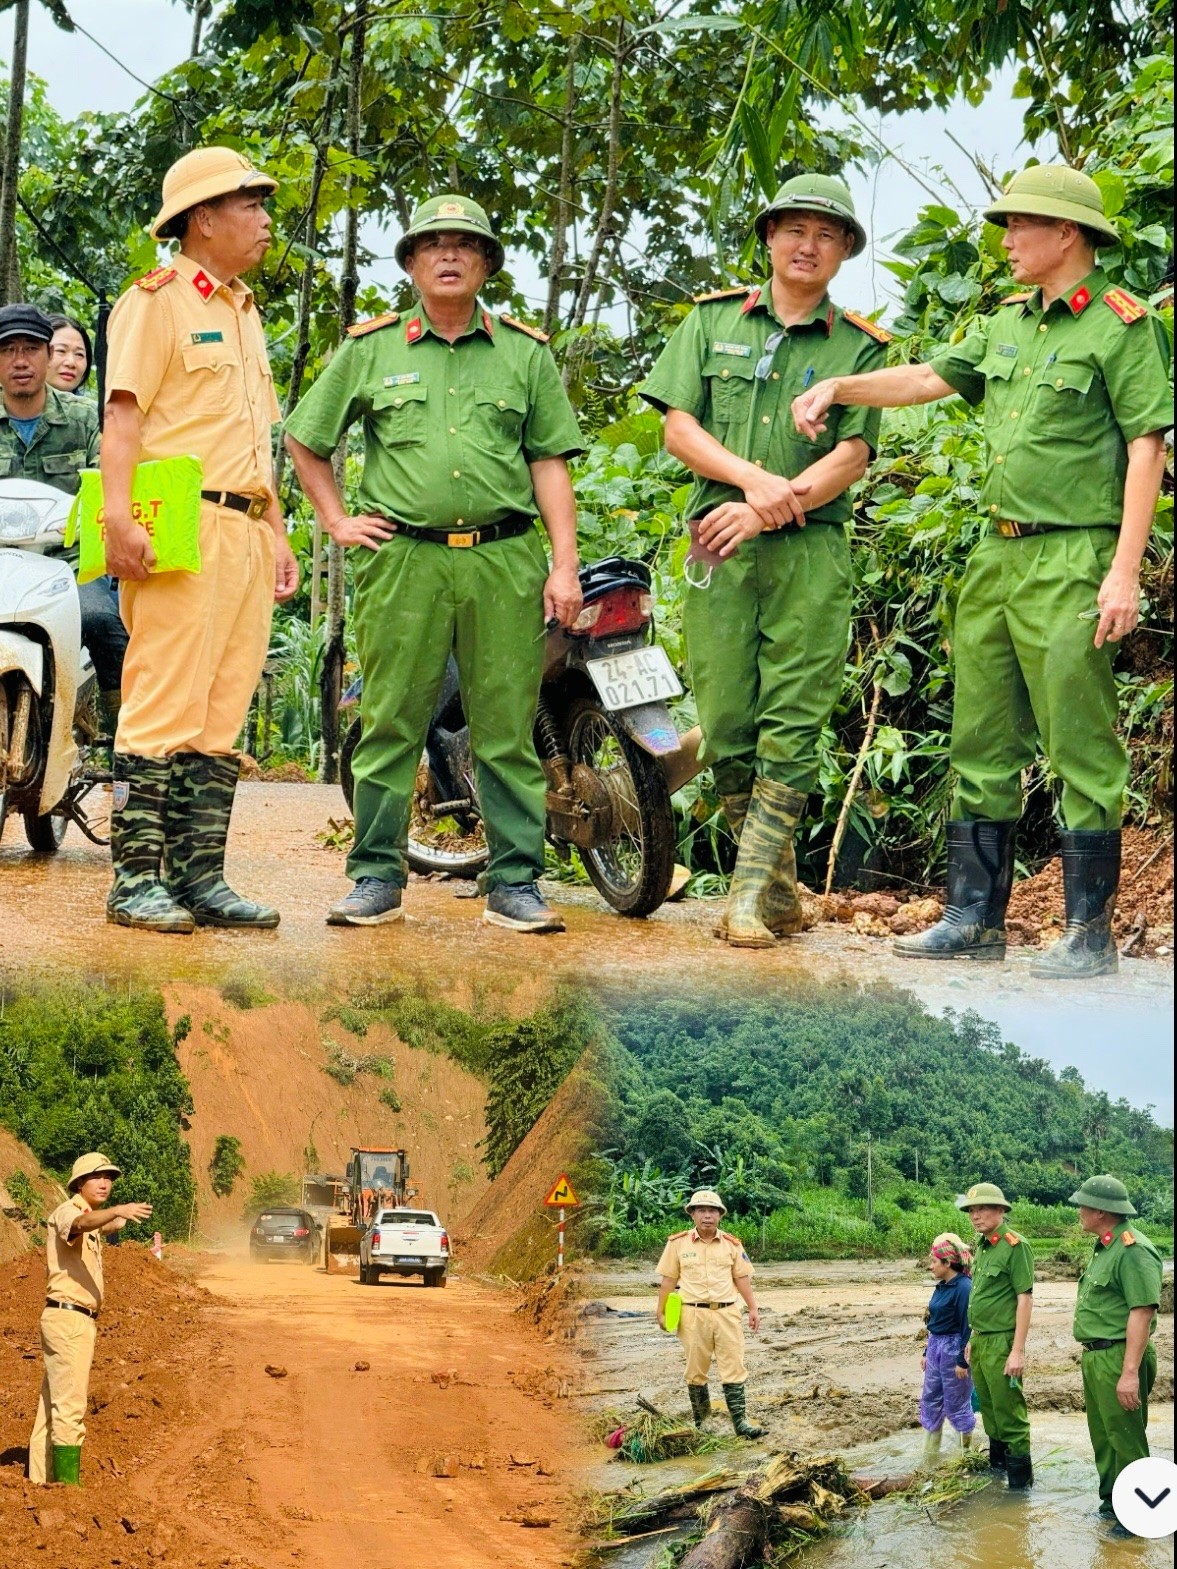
(736, 1536)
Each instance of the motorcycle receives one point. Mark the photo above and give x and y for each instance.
(605, 737)
(49, 727)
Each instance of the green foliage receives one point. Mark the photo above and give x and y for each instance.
(83, 1068)
(245, 992)
(271, 1190)
(226, 1165)
(344, 1066)
(528, 1060)
(26, 1198)
(390, 1098)
(773, 1104)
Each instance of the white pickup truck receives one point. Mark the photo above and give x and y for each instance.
(405, 1242)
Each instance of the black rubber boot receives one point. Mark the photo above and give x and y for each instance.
(700, 1402)
(1020, 1471)
(980, 878)
(733, 1394)
(998, 1454)
(1091, 878)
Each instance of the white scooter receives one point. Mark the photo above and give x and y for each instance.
(48, 693)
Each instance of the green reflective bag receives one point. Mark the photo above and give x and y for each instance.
(165, 499)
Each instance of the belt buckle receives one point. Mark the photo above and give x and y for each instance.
(462, 541)
(257, 506)
(1009, 529)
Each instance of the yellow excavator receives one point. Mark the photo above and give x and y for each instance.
(374, 1179)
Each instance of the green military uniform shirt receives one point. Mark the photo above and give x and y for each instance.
(1065, 389)
(64, 443)
(449, 428)
(709, 370)
(1003, 1271)
(1124, 1273)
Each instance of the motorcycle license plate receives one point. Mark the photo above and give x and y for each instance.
(642, 675)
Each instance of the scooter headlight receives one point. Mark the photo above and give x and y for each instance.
(19, 525)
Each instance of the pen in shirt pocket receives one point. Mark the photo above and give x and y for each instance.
(808, 378)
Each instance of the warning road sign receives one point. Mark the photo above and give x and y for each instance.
(562, 1196)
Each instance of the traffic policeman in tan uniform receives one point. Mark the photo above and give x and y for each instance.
(711, 1272)
(1115, 1316)
(69, 1322)
(187, 373)
(1000, 1305)
(1074, 377)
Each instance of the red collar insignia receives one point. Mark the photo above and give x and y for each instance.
(829, 321)
(994, 1239)
(1080, 300)
(414, 329)
(750, 303)
(203, 285)
(1107, 1237)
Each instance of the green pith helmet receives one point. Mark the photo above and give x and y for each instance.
(813, 193)
(1053, 190)
(1106, 1193)
(450, 213)
(982, 1194)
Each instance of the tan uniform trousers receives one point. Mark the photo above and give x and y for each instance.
(67, 1344)
(198, 641)
(713, 1334)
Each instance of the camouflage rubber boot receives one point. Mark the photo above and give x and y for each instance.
(141, 789)
(735, 811)
(67, 1464)
(700, 1402)
(1091, 879)
(759, 908)
(733, 1394)
(199, 807)
(980, 879)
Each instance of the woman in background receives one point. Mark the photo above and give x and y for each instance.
(948, 1384)
(71, 355)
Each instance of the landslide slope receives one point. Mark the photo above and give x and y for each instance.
(18, 1223)
(259, 1075)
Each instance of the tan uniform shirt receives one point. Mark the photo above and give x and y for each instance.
(192, 352)
(75, 1268)
(705, 1271)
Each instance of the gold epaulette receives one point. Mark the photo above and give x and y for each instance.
(150, 281)
(521, 326)
(674, 1235)
(1125, 307)
(1012, 1238)
(360, 329)
(730, 1236)
(1018, 299)
(1127, 1239)
(723, 294)
(871, 328)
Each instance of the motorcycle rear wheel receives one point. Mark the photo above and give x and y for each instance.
(633, 871)
(424, 855)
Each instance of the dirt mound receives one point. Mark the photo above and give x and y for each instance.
(550, 1302)
(26, 1197)
(510, 1232)
(153, 1333)
(260, 1075)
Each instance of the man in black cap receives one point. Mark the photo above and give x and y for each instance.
(50, 436)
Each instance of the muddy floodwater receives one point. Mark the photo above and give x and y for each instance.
(835, 1370)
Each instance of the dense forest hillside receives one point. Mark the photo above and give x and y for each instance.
(859, 1094)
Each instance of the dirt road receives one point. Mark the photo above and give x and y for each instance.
(454, 1448)
(54, 917)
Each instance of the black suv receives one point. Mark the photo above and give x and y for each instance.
(285, 1233)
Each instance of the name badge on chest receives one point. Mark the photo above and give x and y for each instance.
(740, 350)
(1008, 351)
(208, 337)
(407, 380)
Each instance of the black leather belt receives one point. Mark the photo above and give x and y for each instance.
(70, 1307)
(460, 538)
(1008, 529)
(1101, 1345)
(732, 1303)
(252, 506)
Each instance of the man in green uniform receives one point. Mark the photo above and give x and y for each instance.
(467, 432)
(1115, 1315)
(767, 631)
(1000, 1304)
(50, 437)
(1074, 376)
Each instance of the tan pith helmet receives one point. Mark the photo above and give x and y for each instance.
(1054, 190)
(705, 1198)
(200, 176)
(981, 1195)
(1105, 1193)
(94, 1164)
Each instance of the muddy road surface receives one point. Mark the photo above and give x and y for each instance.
(835, 1368)
(314, 1423)
(54, 912)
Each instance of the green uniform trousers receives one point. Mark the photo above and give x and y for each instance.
(1117, 1436)
(766, 642)
(415, 602)
(1027, 671)
(1003, 1410)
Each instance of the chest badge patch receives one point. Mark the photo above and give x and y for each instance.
(740, 350)
(1008, 350)
(207, 337)
(407, 380)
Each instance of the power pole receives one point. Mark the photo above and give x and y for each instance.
(870, 1187)
(10, 290)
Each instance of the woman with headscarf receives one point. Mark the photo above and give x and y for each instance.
(948, 1384)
